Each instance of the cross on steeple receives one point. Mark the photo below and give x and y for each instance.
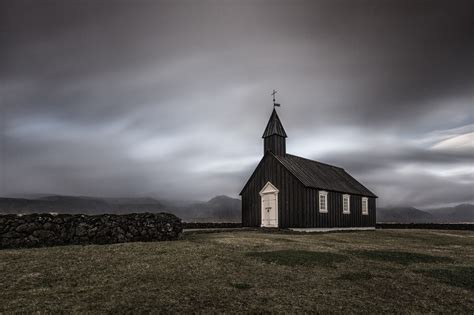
(273, 94)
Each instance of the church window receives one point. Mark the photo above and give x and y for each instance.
(323, 201)
(346, 204)
(365, 205)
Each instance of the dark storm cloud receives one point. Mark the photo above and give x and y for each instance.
(380, 160)
(171, 97)
(412, 176)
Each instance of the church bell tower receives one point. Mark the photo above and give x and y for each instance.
(274, 136)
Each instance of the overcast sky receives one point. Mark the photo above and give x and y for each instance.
(170, 98)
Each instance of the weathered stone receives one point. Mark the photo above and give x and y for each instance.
(119, 230)
(43, 234)
(48, 226)
(82, 229)
(47, 229)
(25, 227)
(11, 234)
(33, 239)
(91, 232)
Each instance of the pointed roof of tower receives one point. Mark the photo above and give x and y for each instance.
(274, 126)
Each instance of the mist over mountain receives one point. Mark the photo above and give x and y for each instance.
(458, 214)
(404, 215)
(218, 209)
(59, 204)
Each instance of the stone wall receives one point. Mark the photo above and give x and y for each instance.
(36, 230)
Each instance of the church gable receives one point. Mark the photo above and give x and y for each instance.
(290, 193)
(268, 188)
(268, 165)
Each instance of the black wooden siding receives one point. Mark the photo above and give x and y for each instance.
(290, 196)
(275, 144)
(298, 206)
(335, 217)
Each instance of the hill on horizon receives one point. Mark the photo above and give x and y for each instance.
(404, 215)
(463, 213)
(218, 209)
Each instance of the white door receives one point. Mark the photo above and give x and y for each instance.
(269, 195)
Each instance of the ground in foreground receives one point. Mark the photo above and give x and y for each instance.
(372, 271)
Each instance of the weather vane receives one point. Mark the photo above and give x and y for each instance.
(273, 94)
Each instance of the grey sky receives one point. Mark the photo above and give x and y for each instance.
(170, 98)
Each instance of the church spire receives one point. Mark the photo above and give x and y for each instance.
(274, 135)
(274, 126)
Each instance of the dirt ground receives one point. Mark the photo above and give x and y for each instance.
(402, 271)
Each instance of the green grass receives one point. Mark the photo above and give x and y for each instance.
(386, 271)
(400, 257)
(299, 257)
(242, 285)
(356, 276)
(462, 277)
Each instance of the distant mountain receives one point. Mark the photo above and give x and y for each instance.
(458, 214)
(218, 209)
(134, 201)
(404, 215)
(78, 204)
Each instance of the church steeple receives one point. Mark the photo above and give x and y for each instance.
(274, 136)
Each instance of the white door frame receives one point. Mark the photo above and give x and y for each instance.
(266, 190)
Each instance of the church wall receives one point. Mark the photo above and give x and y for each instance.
(290, 196)
(298, 206)
(334, 217)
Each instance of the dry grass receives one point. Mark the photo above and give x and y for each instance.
(383, 271)
(290, 257)
(400, 257)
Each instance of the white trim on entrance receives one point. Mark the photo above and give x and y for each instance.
(314, 230)
(267, 190)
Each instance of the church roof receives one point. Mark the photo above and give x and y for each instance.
(322, 176)
(274, 126)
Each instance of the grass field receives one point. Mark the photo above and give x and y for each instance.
(373, 271)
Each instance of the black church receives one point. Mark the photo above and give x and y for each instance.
(288, 191)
